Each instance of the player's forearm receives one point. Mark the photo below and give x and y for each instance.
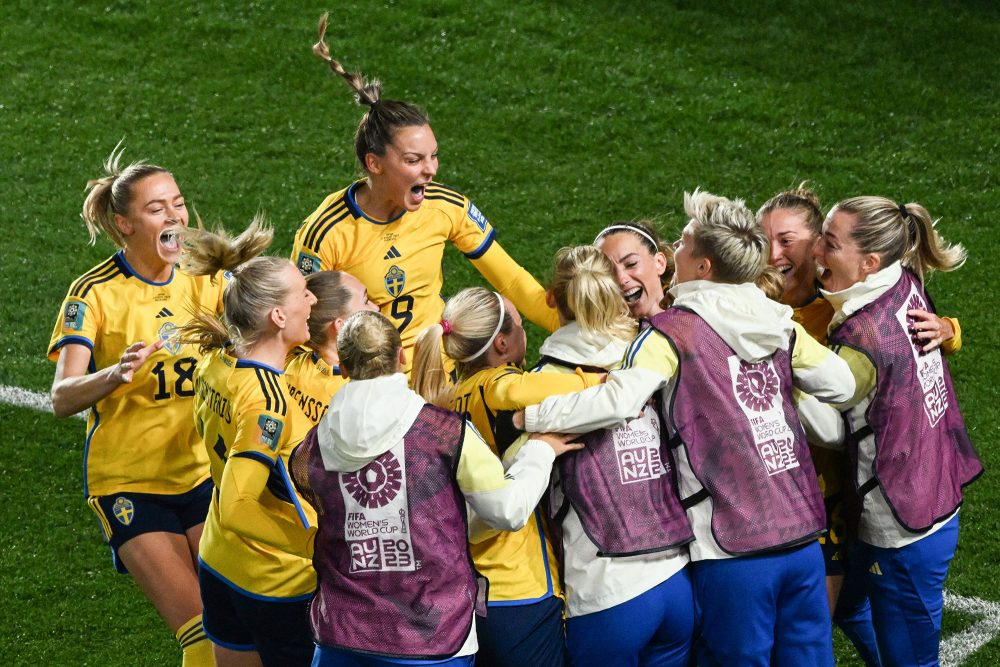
(510, 506)
(71, 395)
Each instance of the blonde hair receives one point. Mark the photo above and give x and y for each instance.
(901, 232)
(369, 346)
(586, 291)
(727, 233)
(644, 230)
(332, 299)
(378, 126)
(255, 285)
(473, 315)
(112, 193)
(802, 200)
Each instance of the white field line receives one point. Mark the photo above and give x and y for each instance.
(24, 398)
(954, 649)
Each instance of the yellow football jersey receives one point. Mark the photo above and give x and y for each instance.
(521, 566)
(243, 411)
(141, 437)
(312, 382)
(399, 261)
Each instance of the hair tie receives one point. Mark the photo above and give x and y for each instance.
(445, 327)
(627, 228)
(903, 212)
(495, 332)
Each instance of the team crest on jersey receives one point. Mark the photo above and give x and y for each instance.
(73, 315)
(395, 281)
(307, 264)
(477, 217)
(166, 334)
(270, 431)
(124, 510)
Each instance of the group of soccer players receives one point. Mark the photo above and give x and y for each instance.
(255, 422)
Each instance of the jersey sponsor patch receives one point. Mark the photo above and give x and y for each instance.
(124, 510)
(395, 281)
(73, 315)
(170, 342)
(270, 431)
(307, 264)
(477, 217)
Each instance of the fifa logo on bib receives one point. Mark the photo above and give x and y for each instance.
(376, 521)
(757, 388)
(637, 448)
(124, 510)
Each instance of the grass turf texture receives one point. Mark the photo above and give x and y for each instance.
(556, 119)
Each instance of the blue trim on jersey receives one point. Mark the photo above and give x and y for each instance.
(249, 363)
(72, 340)
(255, 596)
(256, 456)
(548, 574)
(86, 450)
(121, 256)
(291, 493)
(633, 348)
(484, 246)
(358, 213)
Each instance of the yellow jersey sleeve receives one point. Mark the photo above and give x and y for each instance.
(651, 350)
(516, 389)
(80, 318)
(953, 344)
(514, 282)
(479, 469)
(863, 370)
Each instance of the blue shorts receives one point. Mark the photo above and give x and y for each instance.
(126, 515)
(278, 630)
(514, 635)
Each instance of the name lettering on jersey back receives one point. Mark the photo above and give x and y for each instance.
(313, 408)
(757, 388)
(930, 369)
(376, 525)
(213, 400)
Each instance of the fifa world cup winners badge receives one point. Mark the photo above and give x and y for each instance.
(376, 523)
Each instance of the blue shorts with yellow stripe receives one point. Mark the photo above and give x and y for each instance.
(126, 515)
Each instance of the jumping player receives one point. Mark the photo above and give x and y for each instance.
(389, 229)
(256, 577)
(145, 471)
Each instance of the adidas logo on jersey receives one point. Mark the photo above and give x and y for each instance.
(164, 312)
(393, 253)
(875, 569)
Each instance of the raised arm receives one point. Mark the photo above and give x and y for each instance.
(515, 283)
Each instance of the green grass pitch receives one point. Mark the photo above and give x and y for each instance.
(556, 118)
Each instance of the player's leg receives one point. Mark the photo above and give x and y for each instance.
(802, 626)
(853, 614)
(905, 586)
(654, 628)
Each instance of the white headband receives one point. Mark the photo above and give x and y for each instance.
(495, 332)
(627, 228)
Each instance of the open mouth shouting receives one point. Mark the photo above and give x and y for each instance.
(170, 239)
(632, 295)
(417, 193)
